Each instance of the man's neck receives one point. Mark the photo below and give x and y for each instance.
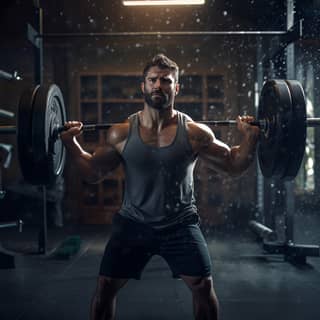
(156, 120)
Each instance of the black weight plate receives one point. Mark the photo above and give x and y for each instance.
(49, 111)
(297, 141)
(24, 134)
(276, 108)
(285, 117)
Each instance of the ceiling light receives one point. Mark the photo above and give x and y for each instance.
(161, 2)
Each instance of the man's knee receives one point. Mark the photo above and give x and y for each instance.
(107, 288)
(202, 287)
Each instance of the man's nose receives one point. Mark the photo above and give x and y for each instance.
(157, 83)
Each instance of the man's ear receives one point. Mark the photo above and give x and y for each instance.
(177, 88)
(142, 87)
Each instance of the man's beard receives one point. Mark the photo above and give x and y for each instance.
(160, 102)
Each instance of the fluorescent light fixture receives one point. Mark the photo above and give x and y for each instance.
(161, 2)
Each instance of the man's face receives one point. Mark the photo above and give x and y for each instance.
(159, 88)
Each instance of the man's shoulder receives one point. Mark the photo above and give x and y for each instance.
(185, 116)
(195, 127)
(199, 132)
(122, 127)
(118, 132)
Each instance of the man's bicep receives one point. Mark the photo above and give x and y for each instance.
(108, 157)
(216, 155)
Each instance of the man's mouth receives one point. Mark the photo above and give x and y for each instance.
(157, 94)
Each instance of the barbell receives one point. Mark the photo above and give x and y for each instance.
(281, 118)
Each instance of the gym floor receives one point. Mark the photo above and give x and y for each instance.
(248, 283)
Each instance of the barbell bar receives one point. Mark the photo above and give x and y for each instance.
(310, 122)
(281, 117)
(104, 126)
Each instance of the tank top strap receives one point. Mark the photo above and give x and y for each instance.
(182, 133)
(133, 120)
(134, 125)
(133, 130)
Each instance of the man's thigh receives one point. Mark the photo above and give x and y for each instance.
(186, 252)
(128, 250)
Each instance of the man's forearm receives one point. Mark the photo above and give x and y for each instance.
(82, 160)
(243, 155)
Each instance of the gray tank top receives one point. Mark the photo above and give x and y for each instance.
(159, 180)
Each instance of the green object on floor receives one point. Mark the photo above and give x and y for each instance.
(68, 248)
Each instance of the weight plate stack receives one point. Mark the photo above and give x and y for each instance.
(24, 134)
(276, 108)
(48, 112)
(297, 141)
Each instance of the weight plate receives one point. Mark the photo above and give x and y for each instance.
(49, 153)
(297, 141)
(276, 108)
(24, 134)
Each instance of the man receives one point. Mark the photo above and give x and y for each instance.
(158, 148)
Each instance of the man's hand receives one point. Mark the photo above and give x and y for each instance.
(73, 129)
(249, 131)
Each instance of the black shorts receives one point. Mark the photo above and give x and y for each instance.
(132, 245)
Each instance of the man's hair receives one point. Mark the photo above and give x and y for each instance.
(163, 62)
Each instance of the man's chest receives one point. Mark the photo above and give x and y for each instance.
(160, 139)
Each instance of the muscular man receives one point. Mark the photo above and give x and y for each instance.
(158, 147)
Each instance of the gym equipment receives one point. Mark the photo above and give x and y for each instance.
(281, 118)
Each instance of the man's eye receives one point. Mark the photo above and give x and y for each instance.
(166, 80)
